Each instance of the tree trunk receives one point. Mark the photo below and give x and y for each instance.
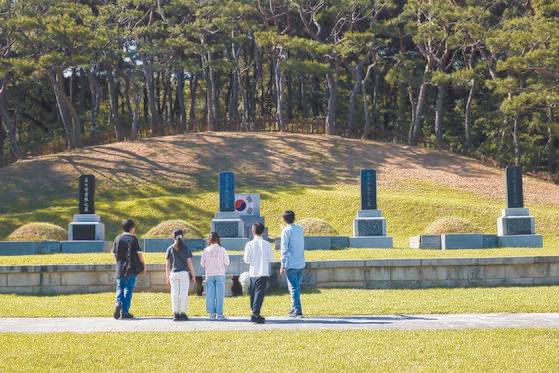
(374, 106)
(439, 106)
(2, 140)
(279, 82)
(8, 125)
(467, 116)
(304, 105)
(330, 124)
(416, 124)
(365, 98)
(137, 93)
(114, 120)
(95, 99)
(352, 97)
(179, 74)
(152, 100)
(234, 100)
(192, 112)
(68, 114)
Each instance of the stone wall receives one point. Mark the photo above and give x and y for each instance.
(372, 274)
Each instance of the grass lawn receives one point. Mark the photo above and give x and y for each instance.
(409, 208)
(499, 350)
(315, 302)
(310, 255)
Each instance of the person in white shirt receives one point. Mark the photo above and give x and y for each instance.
(259, 255)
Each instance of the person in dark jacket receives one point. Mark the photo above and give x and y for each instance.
(125, 276)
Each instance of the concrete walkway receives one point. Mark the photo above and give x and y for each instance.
(384, 322)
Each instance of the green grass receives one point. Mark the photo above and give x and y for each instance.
(310, 255)
(500, 350)
(315, 302)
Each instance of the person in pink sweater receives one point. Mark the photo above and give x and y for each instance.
(214, 260)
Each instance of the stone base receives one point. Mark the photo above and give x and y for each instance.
(78, 247)
(248, 221)
(86, 218)
(161, 244)
(515, 225)
(426, 241)
(28, 247)
(228, 228)
(373, 242)
(86, 231)
(515, 221)
(529, 240)
(369, 226)
(236, 244)
(467, 241)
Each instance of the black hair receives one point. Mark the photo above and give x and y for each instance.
(258, 228)
(213, 237)
(127, 225)
(178, 245)
(289, 217)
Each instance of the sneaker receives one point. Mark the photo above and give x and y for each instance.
(118, 309)
(299, 316)
(213, 316)
(291, 314)
(257, 319)
(127, 316)
(176, 317)
(183, 317)
(221, 317)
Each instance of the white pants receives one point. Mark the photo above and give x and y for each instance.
(180, 283)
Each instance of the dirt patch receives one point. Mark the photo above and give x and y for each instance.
(259, 159)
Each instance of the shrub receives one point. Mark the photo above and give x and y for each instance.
(39, 232)
(164, 229)
(451, 224)
(317, 227)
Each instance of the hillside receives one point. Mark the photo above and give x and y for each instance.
(176, 176)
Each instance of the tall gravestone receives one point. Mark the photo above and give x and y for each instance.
(227, 222)
(86, 225)
(369, 227)
(516, 227)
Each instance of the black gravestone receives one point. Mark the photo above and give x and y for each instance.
(226, 191)
(86, 194)
(368, 189)
(515, 195)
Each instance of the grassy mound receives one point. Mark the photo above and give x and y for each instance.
(164, 229)
(451, 224)
(317, 227)
(39, 232)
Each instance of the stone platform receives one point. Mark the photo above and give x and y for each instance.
(370, 274)
(451, 241)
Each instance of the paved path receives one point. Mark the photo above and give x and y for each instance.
(384, 322)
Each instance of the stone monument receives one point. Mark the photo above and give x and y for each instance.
(86, 225)
(516, 227)
(227, 222)
(369, 227)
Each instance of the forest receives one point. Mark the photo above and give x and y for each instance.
(480, 78)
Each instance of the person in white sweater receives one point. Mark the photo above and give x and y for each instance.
(259, 255)
(214, 260)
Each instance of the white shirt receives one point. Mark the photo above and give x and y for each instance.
(259, 254)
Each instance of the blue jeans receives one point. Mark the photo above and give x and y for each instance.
(124, 290)
(294, 278)
(215, 293)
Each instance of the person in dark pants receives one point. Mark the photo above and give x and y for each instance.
(259, 255)
(125, 276)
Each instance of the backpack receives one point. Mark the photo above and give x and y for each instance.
(133, 263)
